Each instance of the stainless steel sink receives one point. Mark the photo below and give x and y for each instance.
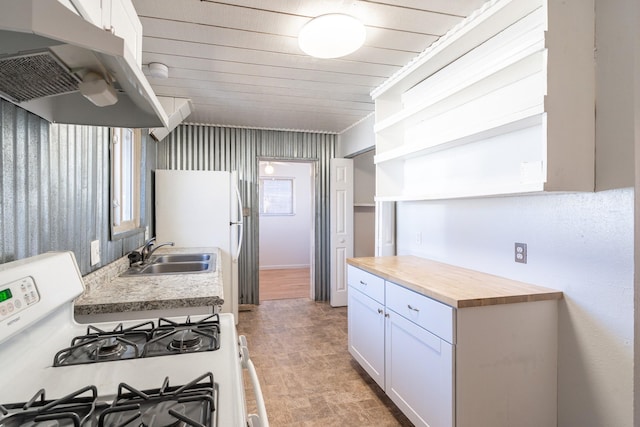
(176, 267)
(174, 264)
(181, 258)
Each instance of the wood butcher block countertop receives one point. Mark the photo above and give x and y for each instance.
(455, 286)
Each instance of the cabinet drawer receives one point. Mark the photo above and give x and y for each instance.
(430, 314)
(367, 283)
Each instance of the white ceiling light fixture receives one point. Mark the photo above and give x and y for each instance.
(268, 169)
(158, 70)
(332, 36)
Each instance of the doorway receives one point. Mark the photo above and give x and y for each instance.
(286, 229)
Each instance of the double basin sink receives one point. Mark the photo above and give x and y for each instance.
(174, 264)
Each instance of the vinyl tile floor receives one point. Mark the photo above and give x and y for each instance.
(307, 376)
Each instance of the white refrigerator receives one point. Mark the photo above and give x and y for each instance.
(202, 208)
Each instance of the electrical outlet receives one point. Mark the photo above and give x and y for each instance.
(95, 252)
(521, 252)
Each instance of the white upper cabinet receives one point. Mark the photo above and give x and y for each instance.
(117, 16)
(502, 104)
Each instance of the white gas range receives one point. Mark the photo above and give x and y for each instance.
(156, 372)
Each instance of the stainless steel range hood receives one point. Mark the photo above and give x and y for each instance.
(47, 50)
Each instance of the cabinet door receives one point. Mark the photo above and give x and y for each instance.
(121, 16)
(90, 10)
(366, 333)
(419, 372)
(118, 16)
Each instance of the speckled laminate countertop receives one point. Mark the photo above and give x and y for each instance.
(107, 292)
(455, 286)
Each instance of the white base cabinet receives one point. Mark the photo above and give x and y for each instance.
(418, 372)
(366, 334)
(493, 365)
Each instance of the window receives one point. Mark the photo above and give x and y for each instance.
(125, 181)
(276, 196)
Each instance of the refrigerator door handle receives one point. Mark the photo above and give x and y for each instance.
(239, 224)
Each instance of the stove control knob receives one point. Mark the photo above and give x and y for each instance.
(18, 303)
(10, 307)
(3, 310)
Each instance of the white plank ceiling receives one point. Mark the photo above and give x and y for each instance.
(240, 64)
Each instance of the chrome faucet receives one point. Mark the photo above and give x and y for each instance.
(145, 249)
(146, 255)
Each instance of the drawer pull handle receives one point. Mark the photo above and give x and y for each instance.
(363, 283)
(380, 311)
(412, 308)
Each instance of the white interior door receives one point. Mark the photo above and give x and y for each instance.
(341, 205)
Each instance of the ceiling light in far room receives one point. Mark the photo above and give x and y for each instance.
(158, 70)
(98, 90)
(332, 36)
(268, 169)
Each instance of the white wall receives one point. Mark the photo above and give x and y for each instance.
(285, 241)
(364, 178)
(581, 244)
(357, 139)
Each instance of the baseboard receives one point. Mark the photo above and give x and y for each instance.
(284, 267)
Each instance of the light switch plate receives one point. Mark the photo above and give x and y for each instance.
(95, 252)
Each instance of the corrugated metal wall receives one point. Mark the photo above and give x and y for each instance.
(54, 189)
(192, 147)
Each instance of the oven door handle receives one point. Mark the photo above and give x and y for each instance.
(259, 420)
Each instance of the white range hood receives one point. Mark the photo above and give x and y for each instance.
(47, 50)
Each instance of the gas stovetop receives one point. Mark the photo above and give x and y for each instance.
(43, 348)
(146, 339)
(192, 404)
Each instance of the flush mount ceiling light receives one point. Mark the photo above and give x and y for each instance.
(332, 36)
(158, 70)
(268, 169)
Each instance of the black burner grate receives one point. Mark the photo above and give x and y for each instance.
(188, 337)
(102, 346)
(78, 409)
(193, 404)
(142, 340)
